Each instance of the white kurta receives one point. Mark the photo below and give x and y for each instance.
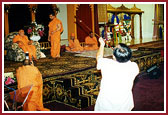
(116, 85)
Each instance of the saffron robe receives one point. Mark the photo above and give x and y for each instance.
(23, 43)
(30, 75)
(74, 46)
(55, 37)
(91, 43)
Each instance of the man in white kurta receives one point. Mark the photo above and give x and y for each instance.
(116, 84)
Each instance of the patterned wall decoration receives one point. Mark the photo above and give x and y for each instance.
(102, 12)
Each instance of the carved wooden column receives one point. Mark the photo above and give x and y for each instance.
(138, 11)
(6, 21)
(156, 26)
(140, 19)
(71, 20)
(33, 8)
(93, 24)
(76, 6)
(132, 26)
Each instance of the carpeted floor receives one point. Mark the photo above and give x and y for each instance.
(71, 62)
(148, 95)
(50, 67)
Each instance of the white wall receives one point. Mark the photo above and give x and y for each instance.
(147, 23)
(63, 17)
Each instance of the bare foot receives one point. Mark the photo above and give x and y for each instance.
(58, 56)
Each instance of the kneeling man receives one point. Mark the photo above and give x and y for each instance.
(28, 75)
(118, 76)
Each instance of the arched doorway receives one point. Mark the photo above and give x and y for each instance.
(19, 17)
(84, 13)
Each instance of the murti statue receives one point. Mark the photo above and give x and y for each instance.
(118, 29)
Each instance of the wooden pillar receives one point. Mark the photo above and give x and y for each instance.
(132, 26)
(140, 16)
(33, 16)
(71, 20)
(75, 10)
(33, 8)
(93, 22)
(6, 20)
(156, 26)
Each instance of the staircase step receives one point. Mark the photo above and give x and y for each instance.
(77, 90)
(94, 94)
(90, 87)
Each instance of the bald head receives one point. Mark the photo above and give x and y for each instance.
(72, 36)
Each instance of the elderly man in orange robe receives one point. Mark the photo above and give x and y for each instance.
(91, 42)
(28, 75)
(25, 44)
(74, 44)
(55, 30)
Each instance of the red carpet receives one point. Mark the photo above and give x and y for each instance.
(148, 95)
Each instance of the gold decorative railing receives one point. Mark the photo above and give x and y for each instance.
(45, 45)
(82, 44)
